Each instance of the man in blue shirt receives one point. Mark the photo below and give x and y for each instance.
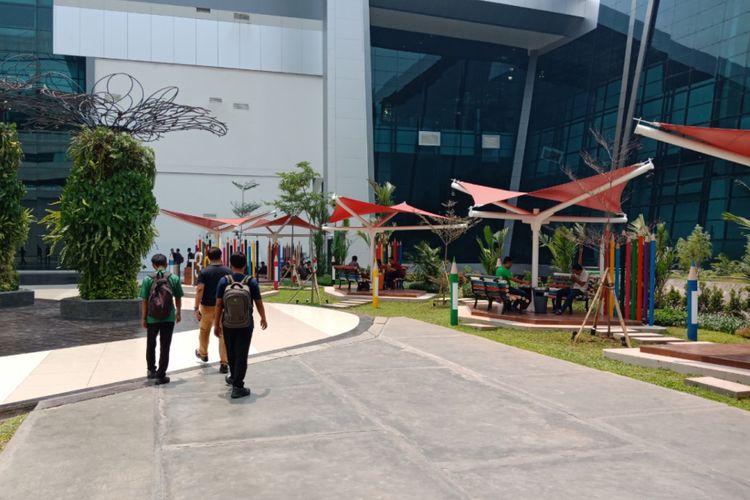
(245, 290)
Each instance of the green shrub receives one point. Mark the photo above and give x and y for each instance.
(721, 322)
(14, 218)
(696, 248)
(674, 299)
(325, 280)
(426, 286)
(562, 246)
(490, 248)
(670, 317)
(107, 209)
(710, 300)
(735, 307)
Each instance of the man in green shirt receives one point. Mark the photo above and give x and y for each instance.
(504, 272)
(160, 315)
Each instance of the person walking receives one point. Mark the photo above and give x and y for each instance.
(178, 260)
(162, 301)
(205, 306)
(234, 318)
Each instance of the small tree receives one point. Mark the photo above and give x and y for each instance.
(341, 244)
(490, 248)
(243, 209)
(105, 224)
(14, 218)
(696, 248)
(449, 228)
(298, 196)
(562, 246)
(383, 194)
(665, 257)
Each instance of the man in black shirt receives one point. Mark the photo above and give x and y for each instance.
(238, 338)
(205, 306)
(178, 260)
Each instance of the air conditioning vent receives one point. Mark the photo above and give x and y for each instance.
(427, 138)
(203, 10)
(241, 105)
(215, 100)
(490, 141)
(241, 17)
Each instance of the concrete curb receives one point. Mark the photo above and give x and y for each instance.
(16, 298)
(11, 409)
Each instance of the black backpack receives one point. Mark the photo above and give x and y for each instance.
(160, 296)
(238, 303)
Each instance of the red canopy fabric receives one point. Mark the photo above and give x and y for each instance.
(358, 207)
(729, 139)
(607, 201)
(285, 220)
(209, 223)
(484, 195)
(404, 207)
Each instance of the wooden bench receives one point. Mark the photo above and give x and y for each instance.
(489, 288)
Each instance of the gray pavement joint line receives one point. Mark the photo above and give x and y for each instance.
(98, 361)
(276, 439)
(160, 432)
(409, 449)
(676, 457)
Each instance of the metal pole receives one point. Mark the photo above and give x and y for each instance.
(536, 227)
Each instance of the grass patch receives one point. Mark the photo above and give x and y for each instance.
(8, 427)
(587, 351)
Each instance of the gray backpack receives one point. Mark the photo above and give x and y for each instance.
(238, 303)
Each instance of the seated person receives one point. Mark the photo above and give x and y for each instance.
(524, 293)
(392, 271)
(286, 270)
(353, 262)
(305, 270)
(580, 279)
(262, 269)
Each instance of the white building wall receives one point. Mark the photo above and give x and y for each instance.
(282, 127)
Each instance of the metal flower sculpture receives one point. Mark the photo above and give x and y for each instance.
(116, 101)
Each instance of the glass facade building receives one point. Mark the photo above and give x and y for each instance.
(695, 73)
(26, 28)
(443, 108)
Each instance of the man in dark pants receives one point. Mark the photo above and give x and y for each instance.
(163, 328)
(238, 340)
(580, 279)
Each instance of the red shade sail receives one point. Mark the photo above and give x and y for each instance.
(358, 207)
(285, 221)
(484, 195)
(212, 224)
(730, 139)
(404, 207)
(607, 201)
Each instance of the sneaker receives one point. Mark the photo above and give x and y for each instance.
(150, 374)
(162, 380)
(558, 312)
(229, 380)
(240, 392)
(223, 369)
(202, 358)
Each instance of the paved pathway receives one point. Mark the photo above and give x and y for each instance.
(406, 410)
(57, 356)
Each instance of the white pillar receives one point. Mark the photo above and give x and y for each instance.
(536, 227)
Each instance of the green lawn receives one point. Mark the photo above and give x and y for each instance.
(587, 351)
(8, 427)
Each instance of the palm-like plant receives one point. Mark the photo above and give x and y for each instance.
(562, 246)
(490, 246)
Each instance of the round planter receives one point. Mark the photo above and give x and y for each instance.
(17, 298)
(100, 310)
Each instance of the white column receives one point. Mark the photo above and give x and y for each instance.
(536, 227)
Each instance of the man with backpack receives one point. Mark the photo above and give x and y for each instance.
(235, 296)
(160, 292)
(205, 306)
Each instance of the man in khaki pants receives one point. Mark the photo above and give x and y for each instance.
(205, 305)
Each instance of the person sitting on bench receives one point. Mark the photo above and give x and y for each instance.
(580, 280)
(354, 262)
(524, 294)
(393, 271)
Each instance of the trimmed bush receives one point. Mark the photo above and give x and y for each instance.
(14, 218)
(105, 224)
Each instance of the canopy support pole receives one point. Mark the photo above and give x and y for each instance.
(536, 227)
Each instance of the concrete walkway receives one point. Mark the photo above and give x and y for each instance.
(44, 373)
(405, 410)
